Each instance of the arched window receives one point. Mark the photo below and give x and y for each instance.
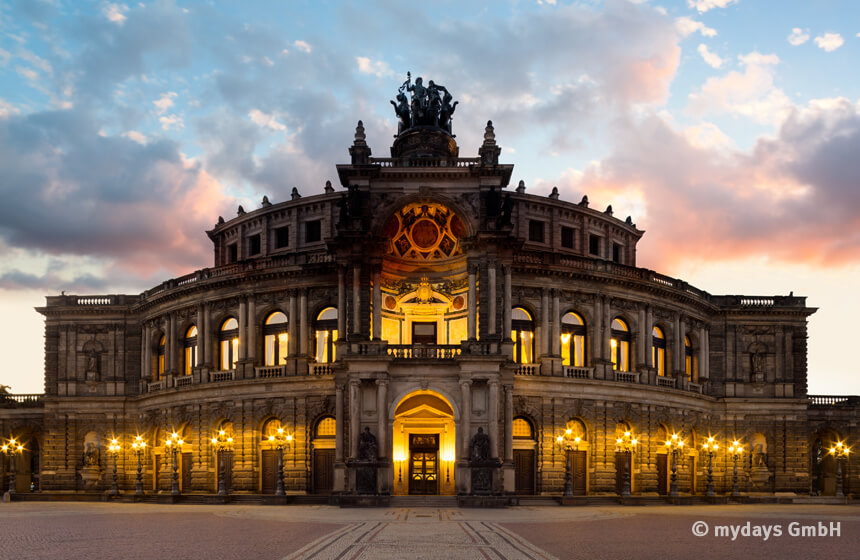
(159, 358)
(577, 430)
(276, 338)
(326, 335)
(523, 335)
(270, 428)
(572, 340)
(325, 428)
(658, 350)
(619, 345)
(522, 429)
(229, 339)
(691, 363)
(190, 344)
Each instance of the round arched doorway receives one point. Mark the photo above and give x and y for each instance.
(424, 443)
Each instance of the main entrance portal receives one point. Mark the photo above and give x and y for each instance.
(423, 444)
(423, 463)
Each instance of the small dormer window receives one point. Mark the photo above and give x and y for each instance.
(254, 245)
(313, 231)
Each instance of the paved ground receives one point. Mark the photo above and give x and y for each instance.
(72, 531)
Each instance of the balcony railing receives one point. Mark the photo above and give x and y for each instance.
(21, 400)
(269, 372)
(226, 375)
(626, 376)
(322, 369)
(155, 386)
(527, 370)
(834, 400)
(579, 372)
(424, 351)
(666, 382)
(183, 381)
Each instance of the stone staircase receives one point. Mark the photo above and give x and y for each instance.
(424, 501)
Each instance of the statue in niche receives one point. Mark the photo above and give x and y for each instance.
(367, 447)
(91, 455)
(480, 446)
(758, 457)
(93, 366)
(758, 362)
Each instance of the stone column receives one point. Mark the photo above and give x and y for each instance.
(356, 298)
(607, 328)
(466, 418)
(704, 362)
(682, 348)
(509, 423)
(170, 347)
(251, 350)
(382, 416)
(201, 334)
(377, 304)
(649, 326)
(243, 322)
(211, 339)
(472, 320)
(543, 346)
(292, 326)
(354, 420)
(493, 420)
(644, 332)
(506, 310)
(303, 322)
(676, 353)
(556, 325)
(597, 343)
(491, 304)
(338, 423)
(147, 352)
(341, 301)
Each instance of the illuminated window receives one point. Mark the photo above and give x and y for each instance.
(326, 428)
(270, 428)
(229, 339)
(691, 362)
(190, 349)
(522, 429)
(619, 345)
(572, 340)
(326, 335)
(658, 350)
(275, 339)
(159, 358)
(523, 335)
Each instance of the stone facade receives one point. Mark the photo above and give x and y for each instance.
(425, 301)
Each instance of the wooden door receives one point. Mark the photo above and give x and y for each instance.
(323, 471)
(156, 471)
(423, 332)
(423, 472)
(524, 471)
(185, 473)
(622, 463)
(663, 473)
(577, 469)
(227, 458)
(269, 462)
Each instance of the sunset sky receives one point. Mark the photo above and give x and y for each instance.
(728, 129)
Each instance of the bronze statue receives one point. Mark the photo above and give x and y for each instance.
(430, 106)
(480, 446)
(367, 448)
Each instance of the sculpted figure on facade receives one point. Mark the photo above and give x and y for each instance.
(480, 446)
(430, 105)
(367, 446)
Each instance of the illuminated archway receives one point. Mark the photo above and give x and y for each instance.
(424, 444)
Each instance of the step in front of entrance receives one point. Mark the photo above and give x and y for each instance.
(424, 501)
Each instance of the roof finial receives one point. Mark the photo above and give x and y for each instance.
(359, 133)
(266, 202)
(295, 194)
(328, 187)
(609, 209)
(521, 187)
(554, 194)
(584, 201)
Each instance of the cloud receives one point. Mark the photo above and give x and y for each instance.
(705, 5)
(165, 102)
(302, 46)
(751, 93)
(378, 68)
(4, 57)
(687, 26)
(798, 36)
(713, 60)
(114, 12)
(268, 121)
(136, 136)
(829, 41)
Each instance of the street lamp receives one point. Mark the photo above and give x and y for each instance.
(12, 448)
(280, 441)
(840, 451)
(114, 448)
(222, 442)
(174, 444)
(710, 447)
(626, 444)
(567, 442)
(674, 444)
(736, 449)
(139, 446)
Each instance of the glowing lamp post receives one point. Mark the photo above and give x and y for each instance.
(114, 448)
(280, 441)
(674, 444)
(735, 450)
(840, 451)
(174, 444)
(12, 448)
(710, 447)
(626, 444)
(139, 446)
(223, 442)
(567, 442)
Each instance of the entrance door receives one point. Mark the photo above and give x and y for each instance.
(622, 461)
(323, 471)
(423, 464)
(662, 473)
(524, 471)
(227, 458)
(577, 469)
(185, 473)
(423, 333)
(269, 461)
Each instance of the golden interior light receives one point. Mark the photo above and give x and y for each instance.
(634, 441)
(271, 438)
(214, 440)
(559, 439)
(289, 437)
(577, 439)
(618, 440)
